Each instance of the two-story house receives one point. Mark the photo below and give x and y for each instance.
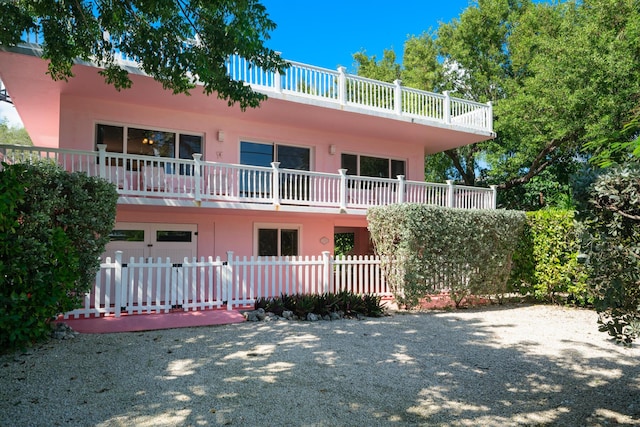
(197, 177)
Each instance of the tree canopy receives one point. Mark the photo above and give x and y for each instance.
(564, 78)
(177, 42)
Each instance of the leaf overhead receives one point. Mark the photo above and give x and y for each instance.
(181, 44)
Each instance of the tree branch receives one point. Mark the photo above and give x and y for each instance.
(539, 164)
(455, 159)
(614, 208)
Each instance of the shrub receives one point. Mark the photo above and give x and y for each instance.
(427, 248)
(347, 302)
(53, 227)
(546, 259)
(612, 242)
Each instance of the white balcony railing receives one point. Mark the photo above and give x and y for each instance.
(339, 87)
(148, 179)
(348, 90)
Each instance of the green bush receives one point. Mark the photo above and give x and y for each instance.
(612, 242)
(53, 228)
(546, 260)
(347, 302)
(427, 248)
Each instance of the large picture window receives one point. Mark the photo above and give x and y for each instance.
(277, 240)
(378, 167)
(290, 157)
(148, 142)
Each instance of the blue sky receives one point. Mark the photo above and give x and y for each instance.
(327, 34)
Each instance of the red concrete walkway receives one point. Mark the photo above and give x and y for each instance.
(150, 322)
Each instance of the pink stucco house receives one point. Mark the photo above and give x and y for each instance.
(197, 177)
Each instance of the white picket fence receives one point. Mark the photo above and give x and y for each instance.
(156, 285)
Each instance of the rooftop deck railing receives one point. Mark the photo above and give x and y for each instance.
(344, 89)
(349, 90)
(149, 179)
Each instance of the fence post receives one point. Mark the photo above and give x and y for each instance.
(118, 284)
(342, 86)
(197, 176)
(401, 184)
(446, 113)
(450, 194)
(398, 96)
(343, 190)
(489, 116)
(227, 281)
(326, 270)
(102, 149)
(494, 196)
(275, 184)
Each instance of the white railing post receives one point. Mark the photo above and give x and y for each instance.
(450, 193)
(227, 281)
(489, 116)
(398, 96)
(118, 284)
(197, 176)
(102, 156)
(446, 107)
(277, 81)
(401, 185)
(342, 86)
(494, 196)
(275, 183)
(326, 271)
(343, 190)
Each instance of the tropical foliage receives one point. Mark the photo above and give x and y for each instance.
(564, 79)
(178, 43)
(612, 243)
(53, 228)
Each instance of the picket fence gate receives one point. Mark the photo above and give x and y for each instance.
(150, 285)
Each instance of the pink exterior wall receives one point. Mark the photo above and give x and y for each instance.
(221, 230)
(78, 117)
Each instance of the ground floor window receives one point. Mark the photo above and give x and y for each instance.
(378, 167)
(277, 240)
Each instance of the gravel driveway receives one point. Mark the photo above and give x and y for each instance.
(495, 366)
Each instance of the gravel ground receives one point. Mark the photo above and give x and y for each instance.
(493, 366)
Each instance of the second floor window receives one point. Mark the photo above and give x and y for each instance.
(290, 157)
(148, 142)
(378, 167)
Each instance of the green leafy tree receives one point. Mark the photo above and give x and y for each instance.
(53, 227)
(620, 147)
(386, 70)
(13, 136)
(179, 43)
(561, 75)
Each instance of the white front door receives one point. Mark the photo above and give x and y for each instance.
(149, 240)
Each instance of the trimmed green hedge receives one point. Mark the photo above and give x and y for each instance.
(427, 248)
(546, 261)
